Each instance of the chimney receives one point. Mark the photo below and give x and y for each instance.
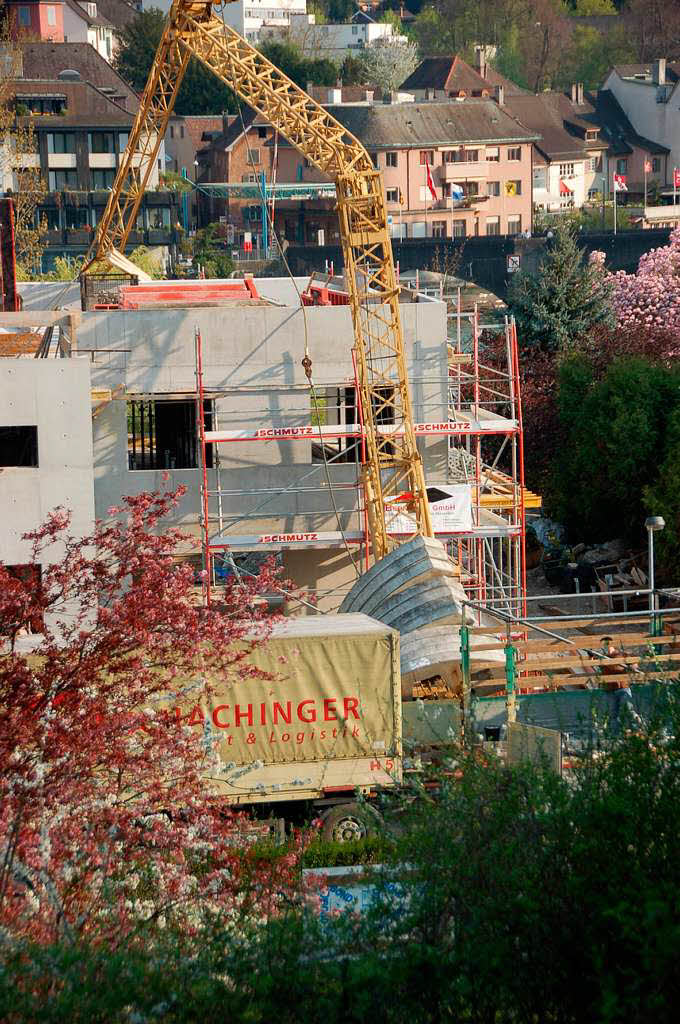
(659, 71)
(225, 121)
(579, 94)
(480, 54)
(499, 95)
(574, 93)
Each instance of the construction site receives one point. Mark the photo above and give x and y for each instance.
(365, 434)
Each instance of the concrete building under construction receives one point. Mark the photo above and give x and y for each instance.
(280, 470)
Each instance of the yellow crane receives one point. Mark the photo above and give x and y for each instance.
(394, 466)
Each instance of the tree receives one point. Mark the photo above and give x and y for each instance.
(563, 300)
(352, 71)
(654, 28)
(388, 63)
(211, 253)
(289, 58)
(201, 91)
(19, 178)
(648, 301)
(107, 823)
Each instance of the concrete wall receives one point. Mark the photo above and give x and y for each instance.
(55, 396)
(253, 355)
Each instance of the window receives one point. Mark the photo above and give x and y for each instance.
(48, 217)
(123, 138)
(515, 153)
(592, 134)
(426, 157)
(493, 188)
(493, 225)
(439, 229)
(159, 218)
(335, 407)
(19, 446)
(172, 131)
(181, 131)
(493, 154)
(566, 170)
(164, 435)
(42, 104)
(51, 16)
(253, 156)
(76, 217)
(391, 159)
(656, 165)
(102, 179)
(249, 179)
(392, 195)
(621, 166)
(514, 225)
(540, 177)
(101, 142)
(251, 213)
(472, 155)
(453, 156)
(596, 162)
(458, 229)
(355, 30)
(61, 142)
(59, 180)
(513, 188)
(25, 17)
(471, 188)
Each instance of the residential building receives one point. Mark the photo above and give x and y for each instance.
(447, 78)
(80, 135)
(36, 19)
(644, 164)
(184, 138)
(47, 60)
(475, 146)
(249, 16)
(569, 156)
(85, 23)
(334, 41)
(649, 95)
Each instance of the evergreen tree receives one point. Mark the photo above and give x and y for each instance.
(563, 300)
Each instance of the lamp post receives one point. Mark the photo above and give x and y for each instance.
(653, 524)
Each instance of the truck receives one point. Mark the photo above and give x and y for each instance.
(318, 726)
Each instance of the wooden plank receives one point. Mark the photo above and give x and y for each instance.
(624, 658)
(595, 677)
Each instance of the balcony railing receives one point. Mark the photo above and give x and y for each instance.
(465, 169)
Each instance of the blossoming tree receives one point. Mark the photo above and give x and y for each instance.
(647, 303)
(106, 822)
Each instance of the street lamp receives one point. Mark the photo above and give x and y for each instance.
(654, 524)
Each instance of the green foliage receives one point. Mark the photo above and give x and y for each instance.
(613, 437)
(148, 260)
(330, 853)
(352, 71)
(201, 91)
(563, 300)
(210, 252)
(663, 498)
(510, 897)
(289, 59)
(174, 182)
(587, 218)
(590, 54)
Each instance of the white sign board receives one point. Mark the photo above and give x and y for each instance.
(513, 264)
(451, 514)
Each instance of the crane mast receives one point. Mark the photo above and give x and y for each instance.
(393, 466)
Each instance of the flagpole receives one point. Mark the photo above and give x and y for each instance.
(645, 184)
(675, 185)
(615, 191)
(427, 191)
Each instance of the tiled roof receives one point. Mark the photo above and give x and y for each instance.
(46, 60)
(118, 12)
(385, 126)
(637, 70)
(196, 127)
(452, 74)
(86, 106)
(546, 113)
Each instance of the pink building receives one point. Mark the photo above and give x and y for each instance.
(473, 146)
(36, 20)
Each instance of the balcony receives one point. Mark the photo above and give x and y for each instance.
(465, 169)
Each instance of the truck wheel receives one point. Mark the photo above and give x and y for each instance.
(346, 823)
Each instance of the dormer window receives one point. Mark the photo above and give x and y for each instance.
(592, 134)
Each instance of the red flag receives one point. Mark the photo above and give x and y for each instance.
(676, 177)
(430, 183)
(648, 166)
(620, 183)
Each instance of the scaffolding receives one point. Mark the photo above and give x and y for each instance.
(478, 510)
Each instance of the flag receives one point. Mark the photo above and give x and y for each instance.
(676, 177)
(620, 183)
(511, 188)
(430, 183)
(456, 191)
(648, 166)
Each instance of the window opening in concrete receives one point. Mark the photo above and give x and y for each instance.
(164, 434)
(30, 575)
(19, 446)
(335, 407)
